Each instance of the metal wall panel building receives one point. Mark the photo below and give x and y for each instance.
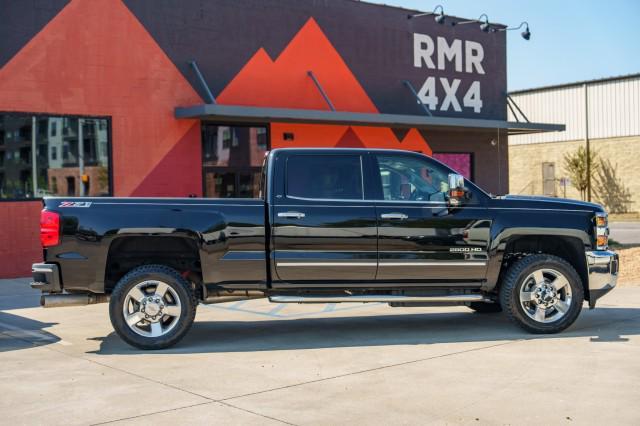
(613, 103)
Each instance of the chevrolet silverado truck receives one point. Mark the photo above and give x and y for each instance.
(330, 225)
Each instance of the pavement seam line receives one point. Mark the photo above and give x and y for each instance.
(223, 401)
(355, 373)
(201, 404)
(84, 358)
(448, 417)
(209, 400)
(138, 416)
(402, 364)
(255, 413)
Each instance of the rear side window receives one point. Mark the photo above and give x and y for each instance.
(335, 177)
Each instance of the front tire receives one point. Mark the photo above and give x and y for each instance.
(152, 307)
(542, 294)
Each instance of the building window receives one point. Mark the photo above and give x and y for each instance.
(461, 162)
(47, 155)
(231, 160)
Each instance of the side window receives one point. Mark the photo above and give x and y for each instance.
(336, 177)
(407, 178)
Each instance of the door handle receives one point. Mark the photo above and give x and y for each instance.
(291, 215)
(394, 216)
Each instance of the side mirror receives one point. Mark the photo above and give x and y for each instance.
(458, 194)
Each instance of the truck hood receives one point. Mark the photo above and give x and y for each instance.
(531, 201)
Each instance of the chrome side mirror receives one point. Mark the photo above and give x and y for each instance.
(457, 192)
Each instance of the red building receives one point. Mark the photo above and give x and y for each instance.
(179, 98)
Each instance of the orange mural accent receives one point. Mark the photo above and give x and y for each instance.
(95, 58)
(285, 83)
(328, 136)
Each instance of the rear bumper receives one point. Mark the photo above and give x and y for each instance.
(46, 277)
(602, 267)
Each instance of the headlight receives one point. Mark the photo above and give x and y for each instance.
(602, 231)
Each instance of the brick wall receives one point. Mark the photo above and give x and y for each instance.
(525, 165)
(19, 237)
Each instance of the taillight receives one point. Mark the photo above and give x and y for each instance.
(49, 228)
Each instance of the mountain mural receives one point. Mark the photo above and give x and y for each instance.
(284, 82)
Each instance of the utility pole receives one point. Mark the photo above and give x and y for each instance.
(586, 137)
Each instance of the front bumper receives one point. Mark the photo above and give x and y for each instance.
(46, 277)
(602, 267)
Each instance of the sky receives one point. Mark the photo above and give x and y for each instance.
(571, 40)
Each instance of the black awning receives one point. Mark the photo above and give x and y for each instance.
(248, 114)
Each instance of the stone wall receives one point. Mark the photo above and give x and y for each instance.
(525, 165)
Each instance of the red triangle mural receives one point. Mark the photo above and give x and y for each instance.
(95, 58)
(177, 174)
(350, 140)
(285, 83)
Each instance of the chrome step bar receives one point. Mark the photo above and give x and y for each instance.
(380, 298)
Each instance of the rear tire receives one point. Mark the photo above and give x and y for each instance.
(542, 294)
(152, 307)
(485, 308)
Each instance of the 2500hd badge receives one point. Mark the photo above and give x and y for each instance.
(331, 225)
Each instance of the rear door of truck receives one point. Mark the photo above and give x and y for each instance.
(323, 230)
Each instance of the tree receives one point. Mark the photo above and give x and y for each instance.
(575, 165)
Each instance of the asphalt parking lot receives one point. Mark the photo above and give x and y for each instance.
(625, 232)
(260, 363)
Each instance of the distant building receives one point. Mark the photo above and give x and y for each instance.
(536, 161)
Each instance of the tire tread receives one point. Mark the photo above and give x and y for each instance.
(119, 292)
(510, 284)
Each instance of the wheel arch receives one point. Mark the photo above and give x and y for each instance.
(128, 252)
(569, 246)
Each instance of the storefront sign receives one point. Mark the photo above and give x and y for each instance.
(463, 56)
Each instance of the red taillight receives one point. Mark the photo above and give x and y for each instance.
(49, 228)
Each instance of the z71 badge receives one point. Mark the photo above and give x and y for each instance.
(75, 204)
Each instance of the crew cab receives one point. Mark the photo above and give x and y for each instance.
(331, 225)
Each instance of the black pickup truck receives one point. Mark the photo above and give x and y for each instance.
(331, 225)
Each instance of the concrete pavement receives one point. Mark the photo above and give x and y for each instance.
(260, 363)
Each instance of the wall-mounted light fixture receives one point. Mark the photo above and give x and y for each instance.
(483, 20)
(439, 16)
(526, 34)
(485, 26)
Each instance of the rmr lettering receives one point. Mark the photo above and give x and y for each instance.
(440, 54)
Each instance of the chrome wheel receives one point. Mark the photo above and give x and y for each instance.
(151, 308)
(545, 295)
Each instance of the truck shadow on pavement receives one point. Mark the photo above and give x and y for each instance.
(602, 325)
(18, 332)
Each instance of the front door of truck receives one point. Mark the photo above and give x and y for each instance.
(323, 230)
(419, 238)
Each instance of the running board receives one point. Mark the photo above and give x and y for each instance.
(375, 298)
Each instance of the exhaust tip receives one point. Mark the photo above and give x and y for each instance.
(61, 300)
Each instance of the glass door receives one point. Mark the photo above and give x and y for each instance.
(231, 160)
